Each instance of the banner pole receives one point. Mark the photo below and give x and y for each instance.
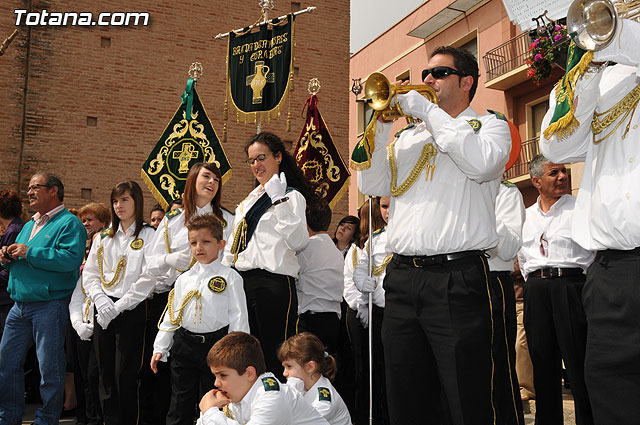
(370, 312)
(279, 18)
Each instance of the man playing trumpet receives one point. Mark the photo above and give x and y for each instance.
(437, 326)
(592, 118)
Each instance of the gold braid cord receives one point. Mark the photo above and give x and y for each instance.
(87, 300)
(427, 155)
(624, 108)
(354, 256)
(118, 274)
(176, 320)
(167, 247)
(377, 271)
(239, 239)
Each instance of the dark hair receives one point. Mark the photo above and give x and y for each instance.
(349, 219)
(189, 197)
(464, 62)
(157, 207)
(50, 181)
(177, 202)
(378, 221)
(318, 215)
(10, 204)
(295, 177)
(136, 193)
(306, 347)
(238, 351)
(99, 211)
(207, 221)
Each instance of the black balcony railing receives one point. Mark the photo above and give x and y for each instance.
(508, 56)
(528, 150)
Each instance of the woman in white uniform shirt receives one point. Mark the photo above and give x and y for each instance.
(170, 256)
(115, 279)
(270, 226)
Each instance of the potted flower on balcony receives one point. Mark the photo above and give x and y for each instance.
(548, 48)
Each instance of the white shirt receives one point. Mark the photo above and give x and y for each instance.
(510, 214)
(561, 250)
(80, 307)
(136, 284)
(380, 254)
(606, 213)
(214, 310)
(281, 406)
(280, 233)
(351, 293)
(178, 242)
(325, 399)
(41, 220)
(454, 210)
(320, 280)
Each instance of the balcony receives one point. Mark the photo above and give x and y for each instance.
(506, 65)
(520, 169)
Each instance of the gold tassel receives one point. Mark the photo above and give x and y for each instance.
(224, 133)
(225, 112)
(291, 86)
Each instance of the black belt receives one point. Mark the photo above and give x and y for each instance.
(432, 260)
(204, 337)
(551, 272)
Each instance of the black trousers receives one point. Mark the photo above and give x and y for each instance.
(437, 342)
(345, 375)
(612, 305)
(326, 326)
(119, 350)
(360, 349)
(272, 303)
(506, 389)
(191, 377)
(87, 383)
(556, 329)
(155, 389)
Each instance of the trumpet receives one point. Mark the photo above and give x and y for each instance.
(592, 24)
(380, 91)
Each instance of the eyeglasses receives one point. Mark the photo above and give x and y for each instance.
(544, 246)
(440, 72)
(35, 187)
(258, 158)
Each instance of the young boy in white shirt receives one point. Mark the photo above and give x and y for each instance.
(249, 394)
(206, 303)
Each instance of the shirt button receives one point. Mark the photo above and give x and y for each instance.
(635, 127)
(628, 195)
(630, 159)
(586, 77)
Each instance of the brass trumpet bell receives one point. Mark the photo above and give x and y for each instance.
(380, 91)
(592, 24)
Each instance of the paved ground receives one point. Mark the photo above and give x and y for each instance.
(529, 411)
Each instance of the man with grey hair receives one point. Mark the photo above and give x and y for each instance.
(553, 266)
(44, 265)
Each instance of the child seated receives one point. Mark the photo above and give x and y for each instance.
(249, 394)
(310, 370)
(206, 303)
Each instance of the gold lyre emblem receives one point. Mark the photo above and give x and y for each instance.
(137, 244)
(217, 284)
(184, 156)
(260, 77)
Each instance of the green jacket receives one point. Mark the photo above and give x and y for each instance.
(52, 264)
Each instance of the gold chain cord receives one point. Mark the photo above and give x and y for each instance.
(377, 270)
(428, 154)
(624, 108)
(239, 239)
(118, 274)
(177, 320)
(167, 247)
(87, 300)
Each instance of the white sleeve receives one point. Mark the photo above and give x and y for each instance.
(164, 338)
(91, 272)
(376, 180)
(482, 154)
(350, 292)
(510, 214)
(292, 221)
(238, 313)
(143, 286)
(214, 416)
(75, 305)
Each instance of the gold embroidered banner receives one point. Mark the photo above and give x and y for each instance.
(318, 157)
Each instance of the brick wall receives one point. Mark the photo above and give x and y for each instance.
(128, 81)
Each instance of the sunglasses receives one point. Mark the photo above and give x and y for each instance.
(440, 72)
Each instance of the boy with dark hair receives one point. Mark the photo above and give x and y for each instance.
(250, 394)
(206, 302)
(320, 282)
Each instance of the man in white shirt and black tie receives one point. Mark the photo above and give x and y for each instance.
(553, 266)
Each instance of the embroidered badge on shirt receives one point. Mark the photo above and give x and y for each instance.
(105, 233)
(475, 124)
(324, 394)
(173, 213)
(217, 284)
(137, 244)
(270, 384)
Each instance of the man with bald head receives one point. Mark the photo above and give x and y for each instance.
(44, 265)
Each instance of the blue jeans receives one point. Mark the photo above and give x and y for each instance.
(44, 323)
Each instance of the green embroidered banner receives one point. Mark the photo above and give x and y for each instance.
(260, 69)
(188, 138)
(318, 157)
